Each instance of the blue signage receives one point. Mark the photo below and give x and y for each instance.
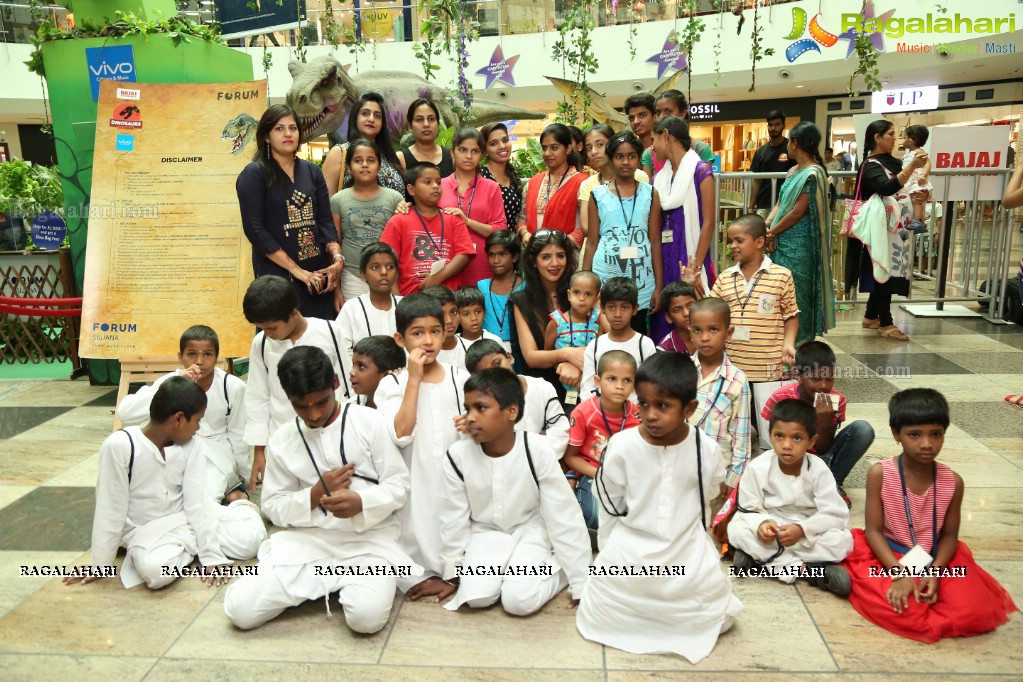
(116, 62)
(716, 165)
(244, 17)
(48, 230)
(125, 143)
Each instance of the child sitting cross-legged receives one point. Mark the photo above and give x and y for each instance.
(222, 429)
(334, 484)
(791, 523)
(657, 585)
(151, 499)
(595, 420)
(375, 358)
(508, 528)
(543, 413)
(910, 573)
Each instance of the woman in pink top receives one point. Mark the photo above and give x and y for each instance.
(473, 198)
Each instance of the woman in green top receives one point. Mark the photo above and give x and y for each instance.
(800, 232)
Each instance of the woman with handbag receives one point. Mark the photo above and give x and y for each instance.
(881, 175)
(368, 121)
(800, 232)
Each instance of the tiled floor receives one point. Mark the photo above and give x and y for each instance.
(51, 431)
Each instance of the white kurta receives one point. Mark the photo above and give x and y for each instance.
(359, 319)
(221, 431)
(500, 518)
(657, 490)
(455, 356)
(164, 504)
(266, 405)
(424, 453)
(810, 499)
(639, 346)
(544, 414)
(289, 558)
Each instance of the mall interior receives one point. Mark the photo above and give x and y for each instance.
(749, 58)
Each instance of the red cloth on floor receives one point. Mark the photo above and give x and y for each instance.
(966, 606)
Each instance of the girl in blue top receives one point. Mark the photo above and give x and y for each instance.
(624, 228)
(503, 249)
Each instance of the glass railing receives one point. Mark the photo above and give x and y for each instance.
(398, 20)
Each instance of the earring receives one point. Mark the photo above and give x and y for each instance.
(267, 152)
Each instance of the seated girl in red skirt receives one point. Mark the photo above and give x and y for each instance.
(910, 574)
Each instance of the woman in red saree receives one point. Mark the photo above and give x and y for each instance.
(552, 196)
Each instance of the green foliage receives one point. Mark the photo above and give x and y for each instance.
(757, 50)
(178, 28)
(528, 161)
(29, 190)
(574, 49)
(687, 37)
(633, 32)
(866, 55)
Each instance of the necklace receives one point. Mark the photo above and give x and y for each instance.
(547, 198)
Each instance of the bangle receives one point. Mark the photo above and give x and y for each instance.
(339, 257)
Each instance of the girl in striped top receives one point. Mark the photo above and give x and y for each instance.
(913, 509)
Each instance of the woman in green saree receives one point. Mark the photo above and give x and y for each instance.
(800, 232)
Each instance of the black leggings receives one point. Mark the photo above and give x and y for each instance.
(879, 307)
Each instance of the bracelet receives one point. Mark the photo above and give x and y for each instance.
(339, 257)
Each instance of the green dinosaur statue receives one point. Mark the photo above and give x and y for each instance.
(323, 95)
(241, 130)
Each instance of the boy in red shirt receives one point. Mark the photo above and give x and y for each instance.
(598, 418)
(432, 247)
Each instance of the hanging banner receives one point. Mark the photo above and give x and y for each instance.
(165, 246)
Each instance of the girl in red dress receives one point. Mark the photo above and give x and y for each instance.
(913, 510)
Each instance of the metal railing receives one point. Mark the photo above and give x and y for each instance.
(967, 243)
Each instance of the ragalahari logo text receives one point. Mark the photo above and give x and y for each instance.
(126, 116)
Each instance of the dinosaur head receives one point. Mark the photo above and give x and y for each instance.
(321, 94)
(240, 130)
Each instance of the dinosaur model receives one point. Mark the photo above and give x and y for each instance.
(599, 109)
(241, 130)
(323, 95)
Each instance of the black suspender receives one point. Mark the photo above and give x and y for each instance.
(529, 460)
(337, 352)
(131, 457)
(226, 399)
(365, 314)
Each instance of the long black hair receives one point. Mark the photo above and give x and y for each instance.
(514, 181)
(878, 127)
(272, 172)
(677, 128)
(563, 136)
(383, 141)
(808, 136)
(534, 294)
(601, 128)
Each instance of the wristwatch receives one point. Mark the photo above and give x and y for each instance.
(339, 257)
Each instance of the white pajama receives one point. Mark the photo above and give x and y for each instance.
(809, 499)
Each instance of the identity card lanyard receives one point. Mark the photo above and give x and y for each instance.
(909, 515)
(504, 313)
(458, 197)
(628, 220)
(440, 249)
(625, 415)
(710, 405)
(753, 287)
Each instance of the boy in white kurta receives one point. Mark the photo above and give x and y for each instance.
(543, 413)
(420, 406)
(791, 521)
(151, 498)
(335, 482)
(372, 313)
(222, 430)
(508, 527)
(271, 304)
(657, 584)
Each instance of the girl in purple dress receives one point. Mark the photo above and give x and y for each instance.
(686, 188)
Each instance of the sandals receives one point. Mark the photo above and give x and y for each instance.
(893, 333)
(870, 324)
(1014, 399)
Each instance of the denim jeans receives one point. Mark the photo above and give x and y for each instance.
(851, 442)
(587, 502)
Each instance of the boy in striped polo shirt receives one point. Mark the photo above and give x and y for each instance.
(762, 298)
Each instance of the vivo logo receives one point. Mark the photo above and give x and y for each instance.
(112, 70)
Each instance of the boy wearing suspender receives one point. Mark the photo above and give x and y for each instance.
(370, 314)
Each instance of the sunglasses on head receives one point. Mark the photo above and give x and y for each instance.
(544, 236)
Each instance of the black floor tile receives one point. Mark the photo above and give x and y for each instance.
(982, 326)
(896, 364)
(49, 520)
(15, 420)
(989, 363)
(1014, 340)
(988, 420)
(108, 399)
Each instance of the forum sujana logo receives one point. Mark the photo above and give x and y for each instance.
(877, 27)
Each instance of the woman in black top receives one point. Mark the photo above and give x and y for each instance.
(286, 215)
(499, 169)
(547, 267)
(881, 174)
(424, 118)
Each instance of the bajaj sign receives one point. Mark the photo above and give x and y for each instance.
(911, 99)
